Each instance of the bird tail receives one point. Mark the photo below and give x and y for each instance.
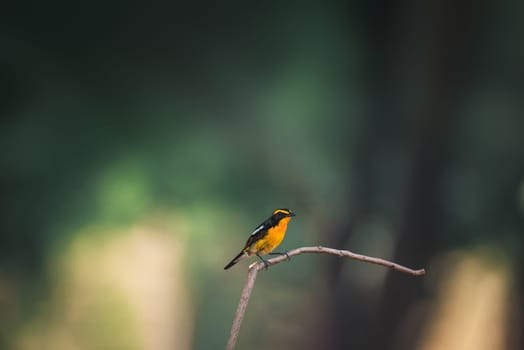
(237, 258)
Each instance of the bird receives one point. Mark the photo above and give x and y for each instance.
(266, 237)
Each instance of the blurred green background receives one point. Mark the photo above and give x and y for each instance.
(141, 143)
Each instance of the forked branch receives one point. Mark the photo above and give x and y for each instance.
(257, 266)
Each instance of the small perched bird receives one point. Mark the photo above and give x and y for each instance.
(266, 237)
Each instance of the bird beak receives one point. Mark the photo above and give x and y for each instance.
(292, 214)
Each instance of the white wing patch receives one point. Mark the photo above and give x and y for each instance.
(257, 230)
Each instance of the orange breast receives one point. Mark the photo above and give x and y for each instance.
(274, 237)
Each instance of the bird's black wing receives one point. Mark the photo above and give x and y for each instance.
(259, 232)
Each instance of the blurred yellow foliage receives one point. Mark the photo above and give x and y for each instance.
(472, 304)
(115, 291)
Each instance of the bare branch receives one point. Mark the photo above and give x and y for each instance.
(255, 267)
(242, 306)
(345, 254)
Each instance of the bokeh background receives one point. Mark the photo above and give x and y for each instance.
(141, 143)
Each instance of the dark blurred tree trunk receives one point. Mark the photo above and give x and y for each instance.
(445, 60)
(376, 21)
(437, 36)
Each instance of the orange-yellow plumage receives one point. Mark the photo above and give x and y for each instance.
(266, 236)
(274, 237)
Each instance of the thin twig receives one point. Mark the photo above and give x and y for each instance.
(255, 267)
(242, 306)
